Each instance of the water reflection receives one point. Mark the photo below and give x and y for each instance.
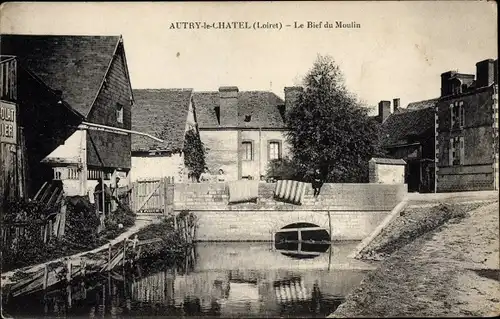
(217, 279)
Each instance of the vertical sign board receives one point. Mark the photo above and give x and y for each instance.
(8, 127)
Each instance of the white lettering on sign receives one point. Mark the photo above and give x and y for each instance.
(8, 127)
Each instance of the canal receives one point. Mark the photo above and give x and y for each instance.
(229, 279)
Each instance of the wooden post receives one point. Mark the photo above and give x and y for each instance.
(83, 266)
(68, 274)
(68, 294)
(165, 196)
(330, 225)
(109, 254)
(45, 277)
(124, 251)
(330, 229)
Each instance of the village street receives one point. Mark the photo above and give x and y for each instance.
(452, 271)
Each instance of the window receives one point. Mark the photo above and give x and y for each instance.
(462, 114)
(119, 113)
(457, 112)
(274, 150)
(457, 151)
(247, 150)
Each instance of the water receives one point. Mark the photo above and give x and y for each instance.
(216, 280)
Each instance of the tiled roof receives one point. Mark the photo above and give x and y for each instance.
(75, 65)
(262, 106)
(401, 128)
(389, 161)
(163, 114)
(421, 104)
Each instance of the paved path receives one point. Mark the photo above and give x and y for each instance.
(416, 198)
(451, 272)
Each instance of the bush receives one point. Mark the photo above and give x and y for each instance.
(283, 169)
(80, 232)
(81, 222)
(123, 215)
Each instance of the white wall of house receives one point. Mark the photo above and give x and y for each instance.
(151, 167)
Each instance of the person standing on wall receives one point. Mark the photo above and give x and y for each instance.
(317, 182)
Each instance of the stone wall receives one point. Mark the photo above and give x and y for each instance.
(351, 210)
(224, 150)
(480, 137)
(352, 197)
(387, 171)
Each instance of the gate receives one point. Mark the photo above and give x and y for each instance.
(154, 196)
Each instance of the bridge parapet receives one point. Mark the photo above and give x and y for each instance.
(333, 197)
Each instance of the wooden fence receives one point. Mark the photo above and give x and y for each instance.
(42, 230)
(153, 196)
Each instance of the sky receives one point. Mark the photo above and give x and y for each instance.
(399, 51)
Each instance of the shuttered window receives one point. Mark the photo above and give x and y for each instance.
(247, 150)
(462, 150)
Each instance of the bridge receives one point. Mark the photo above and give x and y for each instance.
(343, 211)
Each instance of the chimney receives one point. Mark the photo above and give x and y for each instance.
(495, 68)
(395, 104)
(446, 88)
(485, 73)
(292, 95)
(384, 110)
(228, 105)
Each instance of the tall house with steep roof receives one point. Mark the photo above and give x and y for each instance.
(83, 99)
(467, 130)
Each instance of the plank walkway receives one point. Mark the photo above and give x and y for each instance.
(78, 258)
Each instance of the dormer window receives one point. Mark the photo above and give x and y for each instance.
(119, 113)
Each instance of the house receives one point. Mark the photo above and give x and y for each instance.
(243, 131)
(467, 130)
(408, 134)
(167, 114)
(87, 77)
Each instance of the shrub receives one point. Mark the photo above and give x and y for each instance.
(82, 222)
(283, 169)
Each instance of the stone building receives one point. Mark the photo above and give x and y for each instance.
(167, 114)
(243, 131)
(86, 77)
(467, 130)
(408, 134)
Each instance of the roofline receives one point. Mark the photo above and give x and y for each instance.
(51, 91)
(105, 75)
(190, 104)
(142, 151)
(127, 73)
(474, 91)
(401, 145)
(228, 128)
(8, 58)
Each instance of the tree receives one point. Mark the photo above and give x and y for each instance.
(329, 129)
(194, 153)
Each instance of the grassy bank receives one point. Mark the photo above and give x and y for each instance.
(412, 223)
(439, 261)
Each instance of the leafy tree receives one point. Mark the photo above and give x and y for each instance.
(330, 129)
(194, 153)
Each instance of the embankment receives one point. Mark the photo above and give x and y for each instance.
(437, 261)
